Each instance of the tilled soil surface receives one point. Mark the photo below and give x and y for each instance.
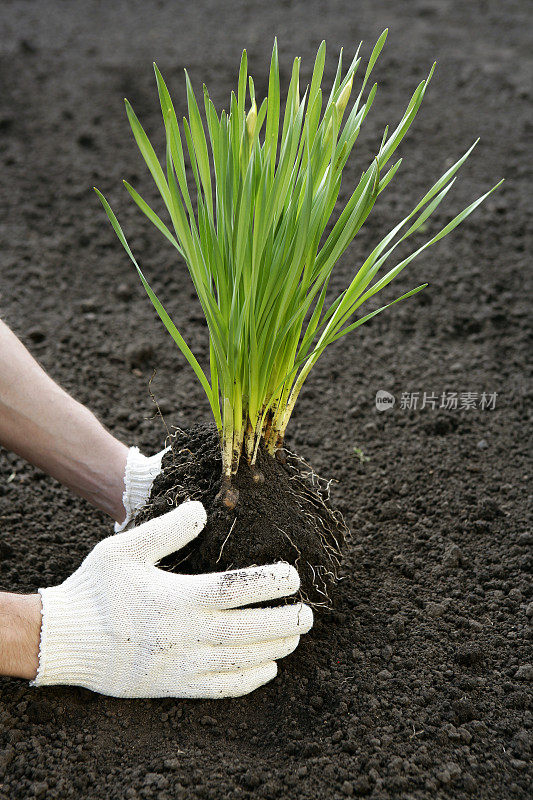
(418, 683)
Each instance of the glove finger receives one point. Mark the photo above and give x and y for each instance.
(240, 587)
(163, 535)
(215, 685)
(247, 625)
(229, 659)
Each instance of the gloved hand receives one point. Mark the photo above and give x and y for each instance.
(122, 627)
(141, 472)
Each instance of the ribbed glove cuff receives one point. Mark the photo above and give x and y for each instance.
(141, 471)
(73, 649)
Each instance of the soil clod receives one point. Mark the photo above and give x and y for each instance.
(270, 512)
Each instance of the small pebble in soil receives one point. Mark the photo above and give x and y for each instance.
(525, 672)
(124, 291)
(122, 413)
(140, 353)
(452, 557)
(469, 653)
(164, 405)
(89, 304)
(362, 785)
(469, 783)
(463, 710)
(434, 610)
(450, 773)
(36, 335)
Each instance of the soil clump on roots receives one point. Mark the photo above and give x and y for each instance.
(285, 517)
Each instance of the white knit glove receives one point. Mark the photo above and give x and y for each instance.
(141, 472)
(122, 627)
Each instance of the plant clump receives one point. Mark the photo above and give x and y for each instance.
(251, 230)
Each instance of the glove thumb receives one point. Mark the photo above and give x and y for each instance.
(163, 535)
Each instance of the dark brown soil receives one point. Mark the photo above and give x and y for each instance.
(416, 685)
(286, 516)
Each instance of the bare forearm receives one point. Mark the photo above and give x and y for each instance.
(42, 423)
(20, 626)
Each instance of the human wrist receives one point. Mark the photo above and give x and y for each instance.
(20, 627)
(111, 485)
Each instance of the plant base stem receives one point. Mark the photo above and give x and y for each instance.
(228, 495)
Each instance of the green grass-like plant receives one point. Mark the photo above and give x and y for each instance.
(254, 239)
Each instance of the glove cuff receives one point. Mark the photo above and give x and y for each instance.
(141, 471)
(73, 648)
